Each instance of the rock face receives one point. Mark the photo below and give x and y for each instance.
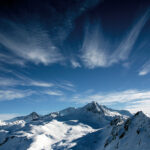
(133, 133)
(32, 116)
(92, 127)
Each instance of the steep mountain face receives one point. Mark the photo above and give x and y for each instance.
(92, 114)
(134, 132)
(92, 127)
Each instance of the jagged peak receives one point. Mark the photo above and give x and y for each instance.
(140, 115)
(33, 114)
(103, 110)
(94, 107)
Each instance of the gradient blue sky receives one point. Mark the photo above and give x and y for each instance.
(55, 54)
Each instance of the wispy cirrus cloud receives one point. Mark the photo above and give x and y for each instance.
(113, 97)
(75, 63)
(131, 99)
(8, 82)
(29, 43)
(16, 80)
(12, 94)
(145, 69)
(126, 45)
(96, 50)
(35, 37)
(13, 60)
(41, 84)
(66, 85)
(8, 116)
(142, 105)
(54, 92)
(10, 87)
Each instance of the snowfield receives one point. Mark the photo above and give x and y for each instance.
(92, 127)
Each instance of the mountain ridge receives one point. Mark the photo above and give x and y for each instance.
(91, 127)
(93, 107)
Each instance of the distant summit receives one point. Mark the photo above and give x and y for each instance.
(31, 117)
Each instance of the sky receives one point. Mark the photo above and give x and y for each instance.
(56, 54)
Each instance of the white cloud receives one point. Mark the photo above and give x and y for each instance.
(8, 82)
(125, 47)
(7, 116)
(75, 64)
(66, 85)
(145, 69)
(96, 51)
(43, 88)
(133, 100)
(14, 94)
(61, 84)
(142, 105)
(41, 84)
(30, 44)
(93, 49)
(113, 97)
(26, 82)
(54, 93)
(23, 81)
(11, 60)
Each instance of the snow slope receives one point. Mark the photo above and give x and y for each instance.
(92, 127)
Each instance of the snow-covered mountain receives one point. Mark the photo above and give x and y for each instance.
(92, 127)
(28, 118)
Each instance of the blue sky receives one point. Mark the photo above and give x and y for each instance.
(68, 53)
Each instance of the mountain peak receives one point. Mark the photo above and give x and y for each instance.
(140, 116)
(139, 113)
(93, 107)
(33, 116)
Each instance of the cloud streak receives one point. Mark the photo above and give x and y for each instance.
(66, 85)
(30, 44)
(14, 94)
(8, 82)
(123, 96)
(131, 99)
(145, 69)
(54, 93)
(24, 81)
(142, 105)
(75, 63)
(8, 59)
(96, 51)
(41, 84)
(39, 88)
(17, 80)
(8, 116)
(128, 42)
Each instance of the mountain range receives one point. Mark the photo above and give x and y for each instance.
(91, 127)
